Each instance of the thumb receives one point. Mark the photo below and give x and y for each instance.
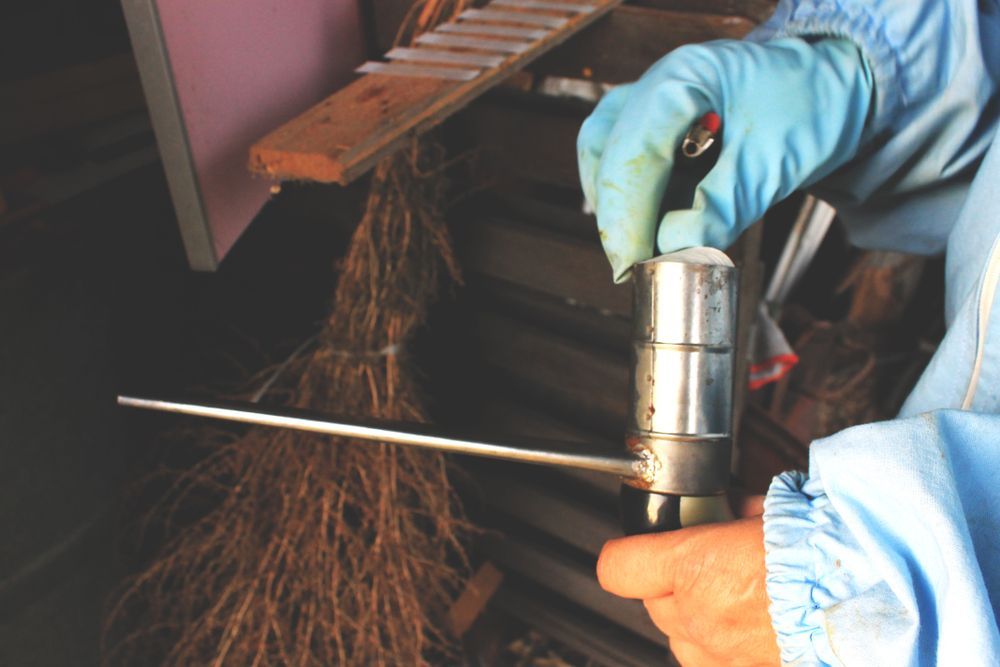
(641, 566)
(719, 213)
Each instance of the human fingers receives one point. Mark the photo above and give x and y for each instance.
(593, 136)
(692, 654)
(635, 167)
(718, 211)
(666, 616)
(639, 567)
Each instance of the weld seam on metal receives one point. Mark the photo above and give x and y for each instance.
(473, 28)
(514, 17)
(419, 71)
(452, 57)
(496, 45)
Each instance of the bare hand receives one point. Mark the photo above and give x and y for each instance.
(703, 587)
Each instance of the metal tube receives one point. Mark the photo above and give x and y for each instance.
(680, 411)
(543, 452)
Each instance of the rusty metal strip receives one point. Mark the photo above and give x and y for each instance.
(514, 17)
(448, 57)
(424, 71)
(497, 45)
(470, 28)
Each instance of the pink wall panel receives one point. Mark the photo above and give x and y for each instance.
(241, 68)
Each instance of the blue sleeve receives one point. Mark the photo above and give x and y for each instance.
(889, 552)
(935, 65)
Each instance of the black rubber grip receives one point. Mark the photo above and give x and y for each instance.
(648, 511)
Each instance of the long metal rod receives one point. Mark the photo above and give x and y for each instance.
(416, 435)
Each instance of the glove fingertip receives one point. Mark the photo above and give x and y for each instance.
(621, 274)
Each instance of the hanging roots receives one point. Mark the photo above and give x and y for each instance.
(315, 552)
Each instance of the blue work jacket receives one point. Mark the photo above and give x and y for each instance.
(888, 551)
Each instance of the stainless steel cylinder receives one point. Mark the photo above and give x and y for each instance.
(680, 410)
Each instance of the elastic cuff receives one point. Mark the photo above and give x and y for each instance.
(857, 23)
(793, 576)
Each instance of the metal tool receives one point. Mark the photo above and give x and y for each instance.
(526, 450)
(680, 407)
(680, 403)
(701, 136)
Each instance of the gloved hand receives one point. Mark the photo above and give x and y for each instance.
(792, 112)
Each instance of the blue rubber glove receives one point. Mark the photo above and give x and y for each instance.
(792, 112)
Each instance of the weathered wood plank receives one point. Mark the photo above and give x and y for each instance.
(621, 47)
(573, 581)
(521, 137)
(505, 416)
(576, 523)
(342, 137)
(586, 386)
(69, 97)
(549, 263)
(566, 317)
(588, 633)
(755, 10)
(389, 14)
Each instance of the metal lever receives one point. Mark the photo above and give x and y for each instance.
(680, 404)
(538, 451)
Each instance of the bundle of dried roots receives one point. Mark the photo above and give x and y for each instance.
(314, 552)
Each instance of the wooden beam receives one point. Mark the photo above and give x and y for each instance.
(550, 263)
(621, 47)
(572, 580)
(507, 416)
(574, 521)
(69, 97)
(522, 137)
(756, 10)
(389, 14)
(586, 632)
(562, 316)
(767, 449)
(585, 385)
(343, 136)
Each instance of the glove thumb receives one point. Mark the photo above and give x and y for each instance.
(717, 216)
